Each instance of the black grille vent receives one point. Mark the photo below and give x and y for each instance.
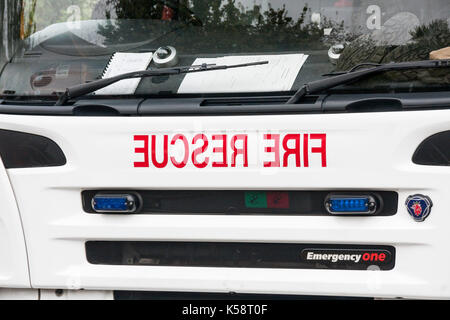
(24, 150)
(434, 151)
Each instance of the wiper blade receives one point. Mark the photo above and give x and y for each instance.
(86, 88)
(330, 83)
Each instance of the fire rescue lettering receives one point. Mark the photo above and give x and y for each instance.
(229, 151)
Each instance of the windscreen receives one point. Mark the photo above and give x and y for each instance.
(49, 45)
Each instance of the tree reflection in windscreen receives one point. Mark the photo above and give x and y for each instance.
(361, 31)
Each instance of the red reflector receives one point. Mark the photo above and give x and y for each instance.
(278, 200)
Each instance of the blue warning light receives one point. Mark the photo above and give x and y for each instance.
(111, 203)
(351, 204)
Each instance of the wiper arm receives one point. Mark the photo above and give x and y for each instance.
(329, 83)
(86, 88)
(353, 69)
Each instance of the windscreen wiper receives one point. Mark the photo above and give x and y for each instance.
(86, 88)
(329, 83)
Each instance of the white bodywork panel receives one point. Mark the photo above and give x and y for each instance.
(13, 256)
(368, 151)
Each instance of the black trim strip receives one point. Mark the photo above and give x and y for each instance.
(171, 296)
(234, 105)
(241, 255)
(243, 202)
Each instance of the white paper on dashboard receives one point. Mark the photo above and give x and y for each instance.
(278, 75)
(123, 62)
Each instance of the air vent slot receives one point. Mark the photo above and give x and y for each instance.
(95, 111)
(224, 102)
(32, 54)
(375, 105)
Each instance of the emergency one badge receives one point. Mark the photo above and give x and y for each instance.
(419, 207)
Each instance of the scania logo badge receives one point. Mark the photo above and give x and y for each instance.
(419, 206)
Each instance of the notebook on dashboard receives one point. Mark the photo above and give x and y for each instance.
(124, 62)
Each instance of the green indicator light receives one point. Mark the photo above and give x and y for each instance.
(256, 200)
